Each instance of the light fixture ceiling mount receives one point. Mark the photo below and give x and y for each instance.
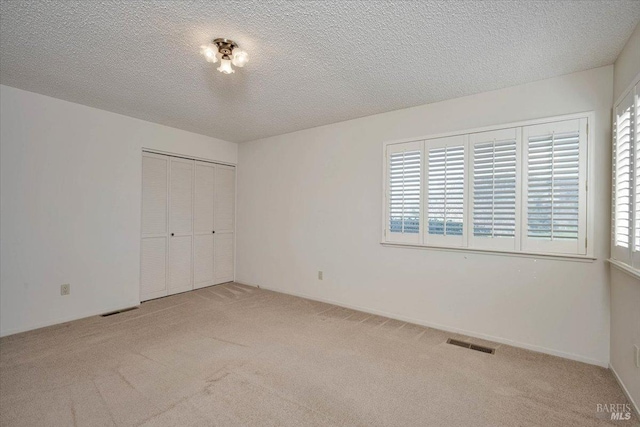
(227, 52)
(225, 46)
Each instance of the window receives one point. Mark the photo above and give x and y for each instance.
(625, 245)
(513, 189)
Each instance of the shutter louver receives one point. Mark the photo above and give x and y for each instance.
(623, 152)
(636, 138)
(404, 191)
(494, 189)
(446, 191)
(553, 186)
(625, 204)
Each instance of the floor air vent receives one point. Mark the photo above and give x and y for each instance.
(118, 312)
(471, 346)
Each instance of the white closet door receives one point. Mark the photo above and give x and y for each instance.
(224, 223)
(203, 225)
(155, 191)
(180, 225)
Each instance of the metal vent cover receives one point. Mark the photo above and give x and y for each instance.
(468, 345)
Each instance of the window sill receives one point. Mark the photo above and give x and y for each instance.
(559, 257)
(625, 268)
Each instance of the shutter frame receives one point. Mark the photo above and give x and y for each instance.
(522, 246)
(406, 187)
(533, 149)
(635, 210)
(510, 160)
(622, 181)
(439, 150)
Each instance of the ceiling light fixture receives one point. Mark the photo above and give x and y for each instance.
(227, 52)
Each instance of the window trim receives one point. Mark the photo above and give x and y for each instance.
(589, 202)
(495, 252)
(624, 267)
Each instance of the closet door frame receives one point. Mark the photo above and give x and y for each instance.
(169, 157)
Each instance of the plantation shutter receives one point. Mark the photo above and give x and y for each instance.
(494, 179)
(622, 179)
(445, 189)
(635, 147)
(403, 192)
(555, 176)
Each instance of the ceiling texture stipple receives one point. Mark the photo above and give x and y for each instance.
(312, 63)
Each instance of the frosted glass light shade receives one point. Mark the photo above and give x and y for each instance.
(225, 66)
(210, 53)
(240, 57)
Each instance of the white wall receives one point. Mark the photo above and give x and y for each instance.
(625, 331)
(311, 200)
(627, 65)
(625, 290)
(70, 180)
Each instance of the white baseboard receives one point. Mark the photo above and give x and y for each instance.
(526, 346)
(634, 405)
(69, 318)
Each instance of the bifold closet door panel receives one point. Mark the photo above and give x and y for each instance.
(181, 196)
(180, 262)
(223, 251)
(153, 269)
(181, 177)
(155, 207)
(155, 174)
(203, 261)
(224, 221)
(225, 198)
(203, 225)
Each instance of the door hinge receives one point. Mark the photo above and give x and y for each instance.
(585, 242)
(586, 186)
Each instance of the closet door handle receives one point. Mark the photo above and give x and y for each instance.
(213, 232)
(172, 234)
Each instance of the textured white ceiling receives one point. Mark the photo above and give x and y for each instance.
(311, 63)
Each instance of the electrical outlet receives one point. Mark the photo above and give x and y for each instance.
(637, 350)
(319, 275)
(65, 289)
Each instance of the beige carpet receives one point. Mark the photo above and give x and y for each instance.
(236, 355)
